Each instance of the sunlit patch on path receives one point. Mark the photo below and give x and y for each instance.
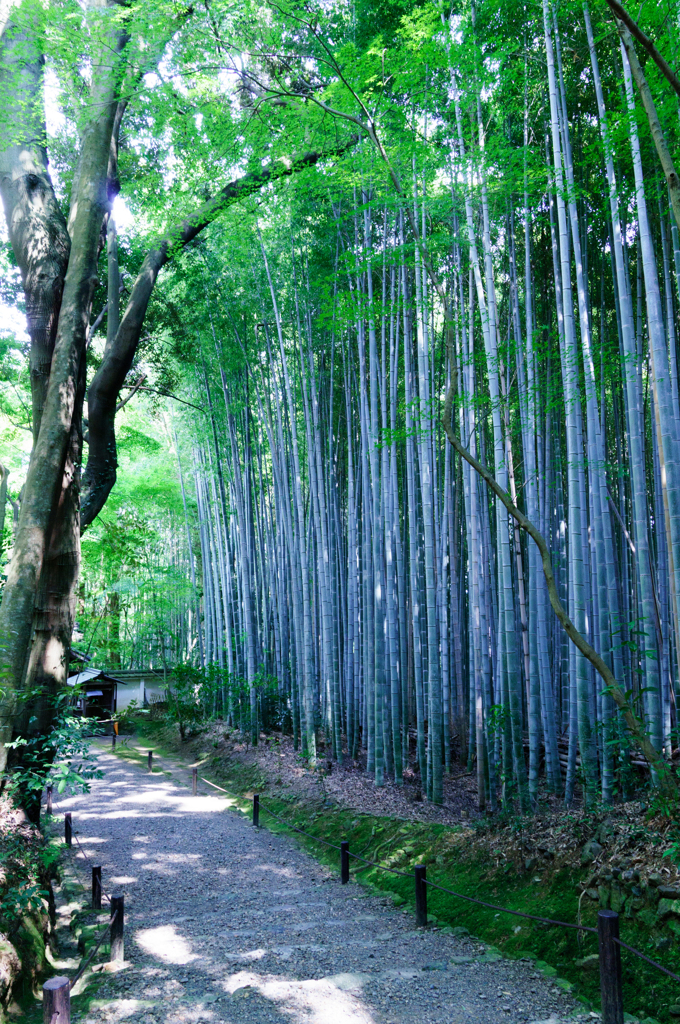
(319, 1002)
(164, 943)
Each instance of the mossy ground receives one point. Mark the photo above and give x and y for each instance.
(446, 852)
(26, 869)
(85, 924)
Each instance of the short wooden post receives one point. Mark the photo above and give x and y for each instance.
(421, 896)
(117, 927)
(97, 888)
(150, 760)
(344, 862)
(256, 810)
(57, 1001)
(611, 989)
(113, 741)
(194, 781)
(68, 828)
(49, 800)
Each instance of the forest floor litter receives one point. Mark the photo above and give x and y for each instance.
(347, 784)
(228, 923)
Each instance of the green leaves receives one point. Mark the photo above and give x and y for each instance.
(22, 899)
(62, 756)
(131, 441)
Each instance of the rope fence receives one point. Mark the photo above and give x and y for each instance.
(516, 913)
(56, 991)
(632, 949)
(383, 867)
(96, 880)
(294, 828)
(97, 890)
(607, 931)
(83, 967)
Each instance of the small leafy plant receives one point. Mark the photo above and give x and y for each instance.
(20, 900)
(62, 757)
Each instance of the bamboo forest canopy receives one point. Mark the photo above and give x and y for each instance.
(361, 320)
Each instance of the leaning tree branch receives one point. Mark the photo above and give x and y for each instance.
(622, 15)
(100, 472)
(670, 173)
(635, 726)
(135, 388)
(163, 394)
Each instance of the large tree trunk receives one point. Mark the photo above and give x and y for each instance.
(4, 480)
(40, 242)
(44, 483)
(55, 601)
(36, 226)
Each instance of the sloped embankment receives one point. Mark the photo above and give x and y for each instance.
(26, 909)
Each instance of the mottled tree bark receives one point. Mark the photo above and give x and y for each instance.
(36, 225)
(55, 600)
(44, 486)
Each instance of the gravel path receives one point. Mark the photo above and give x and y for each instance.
(227, 923)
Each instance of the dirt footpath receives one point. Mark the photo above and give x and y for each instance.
(228, 923)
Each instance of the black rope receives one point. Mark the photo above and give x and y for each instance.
(648, 959)
(83, 967)
(458, 895)
(300, 830)
(505, 910)
(75, 864)
(370, 863)
(407, 874)
(73, 860)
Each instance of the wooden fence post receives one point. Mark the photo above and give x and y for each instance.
(421, 896)
(256, 810)
(150, 760)
(610, 967)
(117, 929)
(49, 800)
(194, 781)
(68, 828)
(57, 1001)
(344, 862)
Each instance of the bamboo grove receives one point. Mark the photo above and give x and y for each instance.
(344, 548)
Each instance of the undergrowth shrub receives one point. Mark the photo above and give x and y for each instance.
(196, 696)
